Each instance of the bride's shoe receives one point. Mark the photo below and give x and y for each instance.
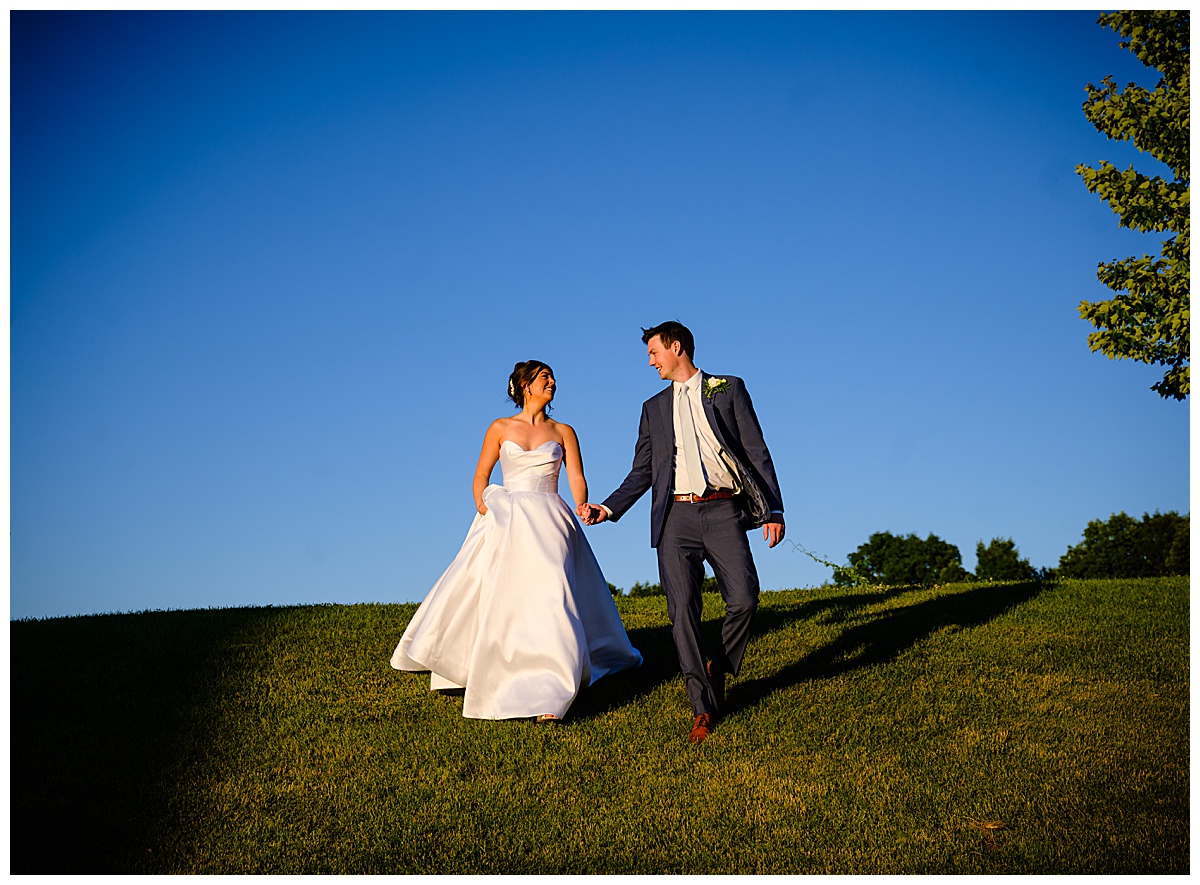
(547, 719)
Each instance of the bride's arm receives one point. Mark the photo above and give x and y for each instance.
(573, 461)
(487, 460)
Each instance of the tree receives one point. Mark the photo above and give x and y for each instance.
(1148, 320)
(890, 559)
(1166, 540)
(1122, 547)
(1001, 561)
(647, 589)
(708, 585)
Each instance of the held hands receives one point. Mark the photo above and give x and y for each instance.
(590, 514)
(773, 531)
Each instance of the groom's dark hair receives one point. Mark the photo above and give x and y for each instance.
(670, 332)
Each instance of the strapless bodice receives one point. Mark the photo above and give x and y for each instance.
(532, 470)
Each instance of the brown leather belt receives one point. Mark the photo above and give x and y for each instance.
(700, 499)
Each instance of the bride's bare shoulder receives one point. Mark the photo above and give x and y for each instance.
(497, 428)
(565, 432)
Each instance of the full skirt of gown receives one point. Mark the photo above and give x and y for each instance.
(523, 616)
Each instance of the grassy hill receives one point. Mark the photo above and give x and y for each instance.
(1018, 728)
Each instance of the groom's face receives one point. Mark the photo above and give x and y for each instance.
(665, 359)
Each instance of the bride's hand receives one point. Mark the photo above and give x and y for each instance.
(481, 507)
(590, 514)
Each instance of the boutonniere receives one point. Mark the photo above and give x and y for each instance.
(713, 386)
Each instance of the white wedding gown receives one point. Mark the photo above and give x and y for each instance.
(523, 616)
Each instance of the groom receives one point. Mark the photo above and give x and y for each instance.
(701, 450)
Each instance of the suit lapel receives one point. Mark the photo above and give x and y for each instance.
(710, 410)
(666, 417)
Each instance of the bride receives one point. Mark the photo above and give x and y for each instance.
(523, 617)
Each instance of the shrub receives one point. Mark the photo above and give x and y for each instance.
(1123, 547)
(1001, 561)
(640, 589)
(709, 585)
(896, 560)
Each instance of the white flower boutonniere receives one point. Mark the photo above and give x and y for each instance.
(713, 386)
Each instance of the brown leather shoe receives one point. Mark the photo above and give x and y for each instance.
(700, 728)
(718, 685)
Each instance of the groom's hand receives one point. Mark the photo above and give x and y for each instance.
(773, 532)
(590, 514)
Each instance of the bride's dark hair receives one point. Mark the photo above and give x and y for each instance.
(522, 375)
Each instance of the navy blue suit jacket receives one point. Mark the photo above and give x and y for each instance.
(731, 416)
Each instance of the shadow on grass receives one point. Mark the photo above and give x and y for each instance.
(879, 640)
(107, 714)
(660, 662)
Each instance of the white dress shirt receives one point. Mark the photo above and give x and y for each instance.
(718, 473)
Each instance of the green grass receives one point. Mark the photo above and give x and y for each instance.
(871, 731)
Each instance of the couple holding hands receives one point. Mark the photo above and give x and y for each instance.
(523, 616)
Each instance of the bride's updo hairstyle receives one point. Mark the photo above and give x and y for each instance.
(522, 375)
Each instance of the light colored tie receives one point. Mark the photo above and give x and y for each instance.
(690, 443)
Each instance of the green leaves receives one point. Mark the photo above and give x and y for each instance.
(1000, 560)
(1149, 319)
(1143, 203)
(897, 561)
(1123, 547)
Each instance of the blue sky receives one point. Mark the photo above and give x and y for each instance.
(270, 272)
